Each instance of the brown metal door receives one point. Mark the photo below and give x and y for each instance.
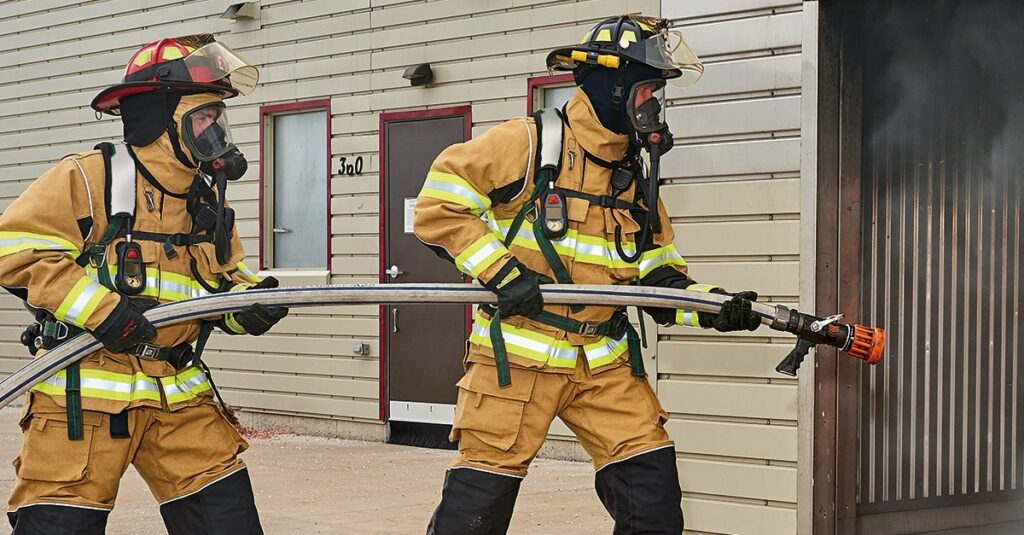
(424, 343)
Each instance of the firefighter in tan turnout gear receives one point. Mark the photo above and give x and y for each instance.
(90, 245)
(563, 196)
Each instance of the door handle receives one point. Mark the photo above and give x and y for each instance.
(394, 272)
(282, 230)
(394, 320)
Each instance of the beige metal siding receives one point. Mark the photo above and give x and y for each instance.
(53, 60)
(732, 190)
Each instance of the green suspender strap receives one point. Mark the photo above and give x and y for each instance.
(500, 352)
(115, 164)
(547, 163)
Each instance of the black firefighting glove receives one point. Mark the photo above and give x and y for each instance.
(257, 319)
(124, 328)
(736, 314)
(518, 289)
(661, 316)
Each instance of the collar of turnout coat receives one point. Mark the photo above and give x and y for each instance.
(591, 135)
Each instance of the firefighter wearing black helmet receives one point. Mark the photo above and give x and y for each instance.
(514, 213)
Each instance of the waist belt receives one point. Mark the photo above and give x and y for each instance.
(179, 356)
(616, 327)
(48, 333)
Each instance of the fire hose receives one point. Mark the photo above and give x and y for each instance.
(865, 343)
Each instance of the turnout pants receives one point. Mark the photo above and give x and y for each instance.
(187, 457)
(616, 417)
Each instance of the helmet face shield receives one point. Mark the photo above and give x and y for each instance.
(215, 62)
(206, 132)
(646, 106)
(668, 51)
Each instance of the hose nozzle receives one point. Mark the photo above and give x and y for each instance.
(867, 343)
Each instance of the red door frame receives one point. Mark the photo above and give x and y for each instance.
(387, 117)
(276, 109)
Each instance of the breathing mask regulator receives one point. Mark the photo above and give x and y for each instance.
(623, 64)
(207, 136)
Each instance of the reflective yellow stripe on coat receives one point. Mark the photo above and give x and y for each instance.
(129, 388)
(551, 351)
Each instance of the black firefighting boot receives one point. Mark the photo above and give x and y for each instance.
(226, 506)
(475, 502)
(58, 520)
(642, 494)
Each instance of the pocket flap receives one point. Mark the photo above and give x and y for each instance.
(620, 217)
(483, 379)
(207, 255)
(577, 209)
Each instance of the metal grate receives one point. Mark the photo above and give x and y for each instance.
(941, 251)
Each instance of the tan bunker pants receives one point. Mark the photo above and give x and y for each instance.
(177, 453)
(613, 414)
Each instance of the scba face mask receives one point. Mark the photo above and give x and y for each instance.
(208, 137)
(645, 106)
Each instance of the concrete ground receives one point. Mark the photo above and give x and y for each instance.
(318, 485)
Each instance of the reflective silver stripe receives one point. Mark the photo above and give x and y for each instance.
(571, 242)
(658, 257)
(453, 188)
(471, 263)
(80, 305)
(513, 340)
(36, 241)
(603, 350)
(184, 386)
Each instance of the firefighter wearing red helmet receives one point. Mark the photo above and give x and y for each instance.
(93, 243)
(565, 196)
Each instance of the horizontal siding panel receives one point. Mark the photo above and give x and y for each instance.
(728, 399)
(767, 278)
(734, 440)
(748, 238)
(733, 158)
(760, 482)
(363, 204)
(728, 517)
(721, 359)
(272, 382)
(347, 185)
(679, 10)
(748, 197)
(739, 117)
(296, 324)
(744, 35)
(355, 225)
(355, 245)
(355, 266)
(748, 75)
(311, 405)
(53, 17)
(338, 366)
(270, 343)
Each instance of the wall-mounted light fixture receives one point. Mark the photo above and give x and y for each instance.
(419, 74)
(242, 11)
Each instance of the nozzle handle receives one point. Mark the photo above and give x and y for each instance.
(795, 358)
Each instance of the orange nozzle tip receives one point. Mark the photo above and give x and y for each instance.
(878, 347)
(868, 343)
